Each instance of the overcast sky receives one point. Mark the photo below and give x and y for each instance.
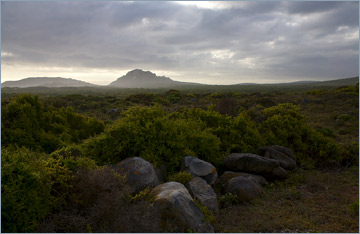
(215, 43)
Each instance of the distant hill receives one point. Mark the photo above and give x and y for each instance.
(340, 82)
(139, 79)
(51, 82)
(145, 79)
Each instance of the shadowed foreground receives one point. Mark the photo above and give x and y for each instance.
(316, 201)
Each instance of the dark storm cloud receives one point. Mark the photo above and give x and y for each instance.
(311, 7)
(286, 40)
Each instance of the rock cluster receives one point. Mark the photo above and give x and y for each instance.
(243, 177)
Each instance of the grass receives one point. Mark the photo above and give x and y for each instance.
(308, 201)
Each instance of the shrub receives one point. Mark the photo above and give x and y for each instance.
(33, 185)
(26, 122)
(326, 132)
(151, 134)
(284, 125)
(315, 91)
(101, 203)
(226, 106)
(144, 195)
(208, 214)
(349, 154)
(237, 134)
(181, 177)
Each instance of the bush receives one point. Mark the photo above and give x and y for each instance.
(326, 132)
(284, 125)
(33, 185)
(226, 106)
(181, 177)
(237, 134)
(26, 122)
(101, 203)
(349, 154)
(151, 134)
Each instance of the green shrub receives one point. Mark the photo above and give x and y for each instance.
(237, 134)
(208, 214)
(145, 195)
(173, 96)
(228, 199)
(326, 132)
(349, 154)
(26, 122)
(315, 91)
(181, 177)
(33, 185)
(284, 125)
(151, 134)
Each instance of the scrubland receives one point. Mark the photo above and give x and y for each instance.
(57, 148)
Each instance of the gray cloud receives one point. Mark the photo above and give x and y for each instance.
(236, 40)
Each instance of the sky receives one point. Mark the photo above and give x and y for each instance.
(203, 42)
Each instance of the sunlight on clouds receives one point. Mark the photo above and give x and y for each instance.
(5, 54)
(222, 54)
(214, 5)
(200, 4)
(296, 21)
(145, 21)
(249, 63)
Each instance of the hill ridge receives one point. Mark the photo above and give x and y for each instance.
(46, 82)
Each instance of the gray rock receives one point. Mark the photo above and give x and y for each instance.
(199, 168)
(203, 192)
(140, 173)
(174, 196)
(284, 155)
(245, 188)
(227, 175)
(254, 164)
(280, 173)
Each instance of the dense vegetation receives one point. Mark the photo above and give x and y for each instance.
(25, 121)
(53, 147)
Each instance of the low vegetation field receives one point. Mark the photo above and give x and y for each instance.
(58, 142)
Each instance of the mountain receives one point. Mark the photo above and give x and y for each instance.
(145, 79)
(50, 82)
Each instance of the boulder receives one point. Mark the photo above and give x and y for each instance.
(139, 173)
(227, 175)
(244, 187)
(203, 192)
(199, 168)
(284, 150)
(255, 164)
(284, 155)
(175, 197)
